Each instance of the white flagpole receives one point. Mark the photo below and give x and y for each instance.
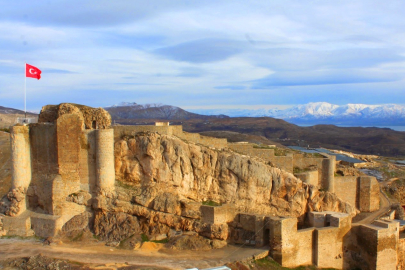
(25, 91)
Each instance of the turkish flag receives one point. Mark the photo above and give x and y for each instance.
(32, 72)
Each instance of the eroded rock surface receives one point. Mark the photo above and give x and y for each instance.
(168, 171)
(12, 203)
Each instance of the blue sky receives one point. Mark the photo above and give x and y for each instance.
(197, 54)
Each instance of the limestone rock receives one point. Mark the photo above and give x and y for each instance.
(190, 242)
(218, 244)
(12, 203)
(77, 225)
(132, 243)
(167, 170)
(81, 198)
(112, 226)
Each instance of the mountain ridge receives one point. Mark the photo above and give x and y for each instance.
(325, 113)
(132, 110)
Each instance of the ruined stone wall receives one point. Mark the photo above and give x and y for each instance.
(329, 242)
(282, 162)
(105, 159)
(388, 239)
(401, 254)
(288, 246)
(120, 131)
(346, 189)
(369, 194)
(217, 214)
(310, 177)
(93, 118)
(204, 140)
(324, 167)
(242, 148)
(44, 154)
(374, 246)
(68, 133)
(21, 157)
(248, 149)
(87, 164)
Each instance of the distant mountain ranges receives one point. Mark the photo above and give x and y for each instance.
(325, 113)
(5, 110)
(380, 141)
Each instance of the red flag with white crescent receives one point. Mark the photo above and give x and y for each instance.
(32, 72)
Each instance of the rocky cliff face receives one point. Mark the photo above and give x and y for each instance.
(172, 176)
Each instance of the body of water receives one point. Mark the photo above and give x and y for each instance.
(323, 150)
(396, 128)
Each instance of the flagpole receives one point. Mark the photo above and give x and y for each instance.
(25, 91)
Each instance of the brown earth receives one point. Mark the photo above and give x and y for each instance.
(96, 255)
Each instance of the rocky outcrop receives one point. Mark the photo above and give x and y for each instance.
(12, 203)
(168, 173)
(113, 226)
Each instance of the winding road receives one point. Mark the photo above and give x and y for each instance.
(384, 208)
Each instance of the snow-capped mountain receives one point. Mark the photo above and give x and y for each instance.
(326, 113)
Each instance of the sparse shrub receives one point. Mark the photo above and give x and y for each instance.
(300, 170)
(144, 238)
(211, 203)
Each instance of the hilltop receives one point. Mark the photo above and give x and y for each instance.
(153, 111)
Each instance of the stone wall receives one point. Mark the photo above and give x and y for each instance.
(369, 194)
(325, 166)
(373, 246)
(310, 177)
(362, 192)
(105, 159)
(401, 253)
(282, 162)
(248, 149)
(44, 155)
(288, 246)
(322, 245)
(87, 164)
(204, 140)
(21, 163)
(68, 131)
(120, 131)
(346, 189)
(329, 241)
(217, 214)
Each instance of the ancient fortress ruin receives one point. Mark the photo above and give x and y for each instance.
(67, 165)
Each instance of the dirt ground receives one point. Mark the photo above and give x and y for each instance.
(96, 254)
